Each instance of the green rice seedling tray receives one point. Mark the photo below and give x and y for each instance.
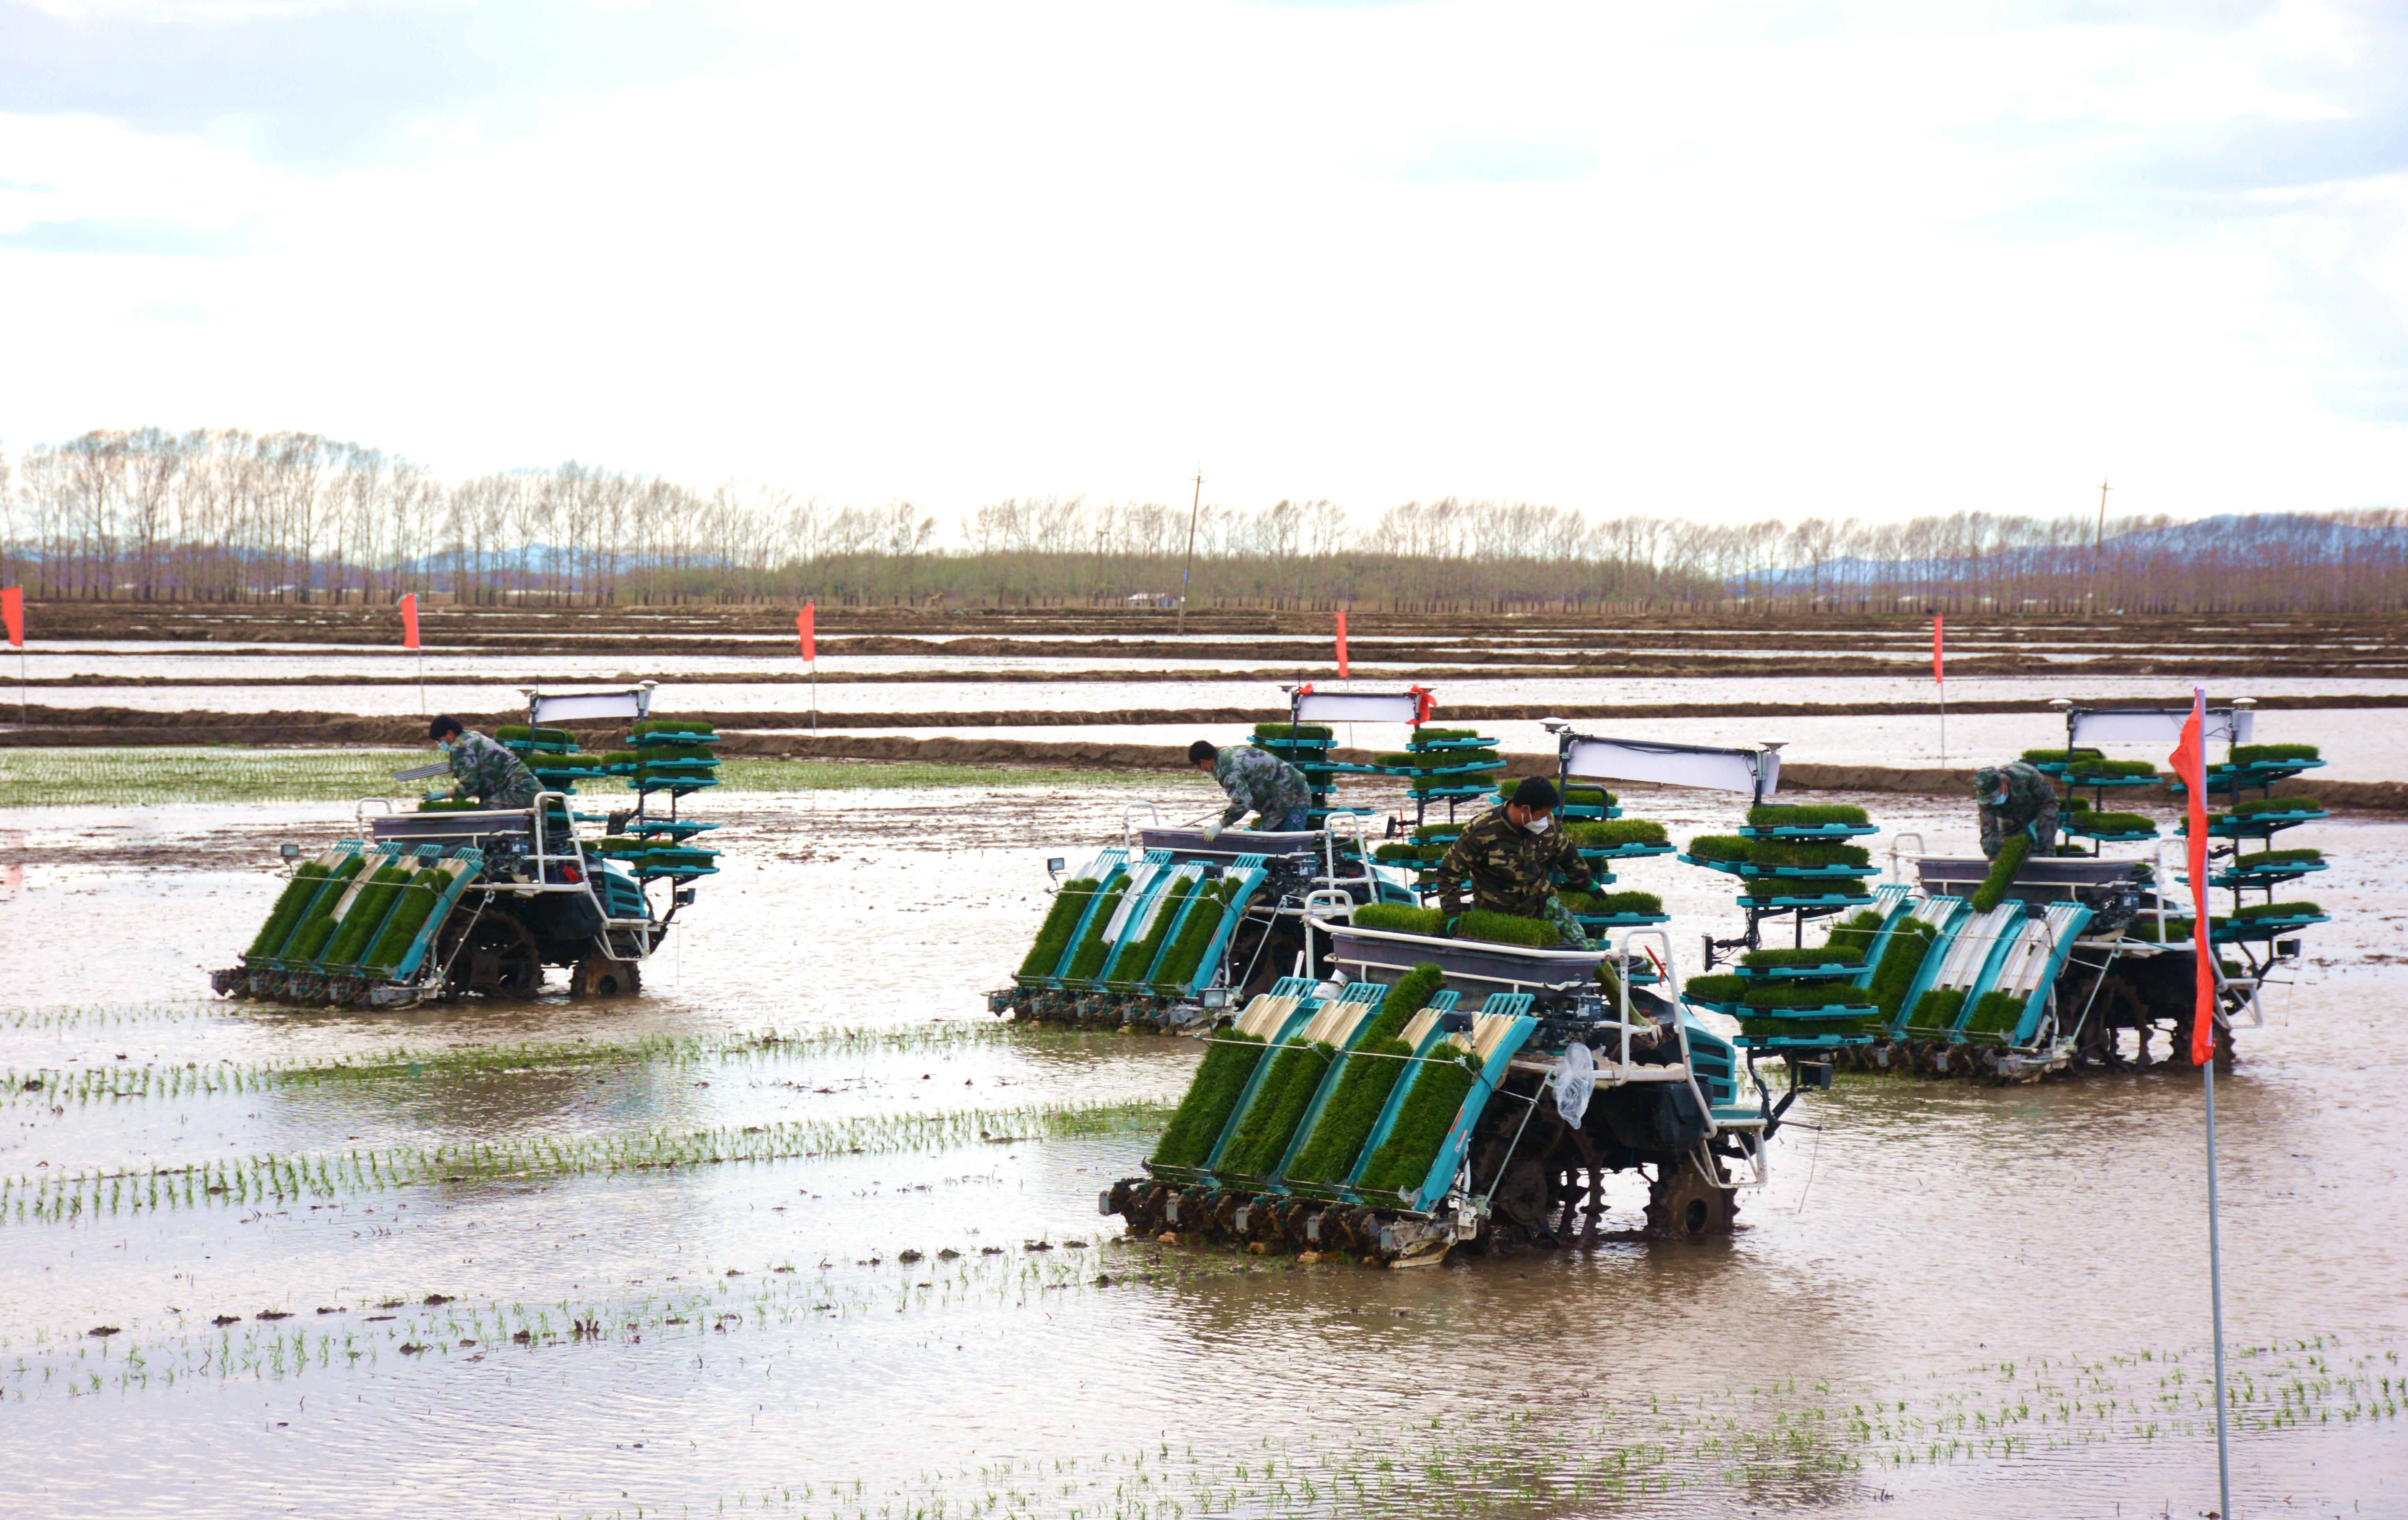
(1481, 790)
(1628, 851)
(2108, 835)
(2225, 931)
(1806, 1042)
(2241, 873)
(1751, 871)
(1810, 831)
(1480, 769)
(1832, 971)
(1619, 920)
(2254, 825)
(676, 828)
(1423, 746)
(1800, 899)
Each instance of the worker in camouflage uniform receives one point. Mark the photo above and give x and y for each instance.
(1512, 857)
(2014, 799)
(1258, 782)
(483, 768)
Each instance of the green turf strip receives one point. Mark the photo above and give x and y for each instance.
(366, 915)
(417, 903)
(2093, 822)
(2107, 770)
(2279, 910)
(1612, 833)
(1271, 1120)
(1509, 930)
(1221, 1079)
(1137, 957)
(1996, 1014)
(1603, 903)
(2009, 859)
(1937, 1009)
(2243, 754)
(1089, 958)
(287, 912)
(1396, 917)
(1178, 968)
(2254, 805)
(1345, 1122)
(1402, 1162)
(1909, 943)
(1061, 922)
(1804, 815)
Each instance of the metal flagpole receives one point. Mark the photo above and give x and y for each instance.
(1193, 508)
(2205, 1009)
(2216, 1296)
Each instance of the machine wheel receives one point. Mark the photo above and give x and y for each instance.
(1684, 1203)
(597, 975)
(498, 956)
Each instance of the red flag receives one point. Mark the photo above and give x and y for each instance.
(803, 631)
(1341, 646)
(2189, 761)
(1937, 673)
(410, 620)
(12, 611)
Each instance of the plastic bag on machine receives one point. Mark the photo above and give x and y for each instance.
(1575, 1080)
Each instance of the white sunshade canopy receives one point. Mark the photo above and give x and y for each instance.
(1672, 765)
(2159, 726)
(1357, 706)
(580, 706)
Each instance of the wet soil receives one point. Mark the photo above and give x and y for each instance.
(917, 1319)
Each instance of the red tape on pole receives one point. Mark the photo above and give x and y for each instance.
(410, 620)
(1341, 646)
(803, 631)
(12, 611)
(2189, 761)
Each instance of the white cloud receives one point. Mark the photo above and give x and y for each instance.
(1850, 264)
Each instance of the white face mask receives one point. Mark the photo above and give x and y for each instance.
(1539, 824)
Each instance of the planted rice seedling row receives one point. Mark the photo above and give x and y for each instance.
(263, 1178)
(1715, 1450)
(82, 1086)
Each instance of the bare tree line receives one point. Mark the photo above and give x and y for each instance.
(228, 515)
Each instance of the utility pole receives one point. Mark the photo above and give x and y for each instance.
(1193, 508)
(2098, 541)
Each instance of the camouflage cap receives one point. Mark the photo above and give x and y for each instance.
(1989, 785)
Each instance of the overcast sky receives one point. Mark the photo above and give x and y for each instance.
(1717, 260)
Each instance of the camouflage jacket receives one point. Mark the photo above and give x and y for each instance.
(1509, 869)
(2031, 803)
(483, 769)
(1260, 781)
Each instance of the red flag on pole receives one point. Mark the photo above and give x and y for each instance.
(1341, 646)
(803, 631)
(410, 620)
(12, 611)
(1938, 673)
(2189, 761)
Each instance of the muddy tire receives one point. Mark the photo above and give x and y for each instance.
(1684, 1204)
(600, 976)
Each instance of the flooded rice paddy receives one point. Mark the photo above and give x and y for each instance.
(800, 1230)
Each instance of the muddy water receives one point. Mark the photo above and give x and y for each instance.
(1962, 1252)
